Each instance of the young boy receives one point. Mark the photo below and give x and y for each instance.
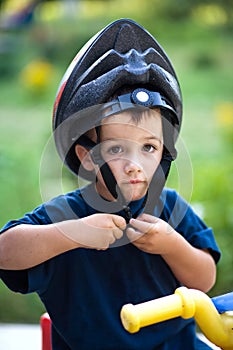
(123, 238)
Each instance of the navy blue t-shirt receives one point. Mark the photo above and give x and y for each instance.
(84, 290)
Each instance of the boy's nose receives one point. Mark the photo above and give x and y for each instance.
(132, 166)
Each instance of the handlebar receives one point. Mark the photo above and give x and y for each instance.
(186, 303)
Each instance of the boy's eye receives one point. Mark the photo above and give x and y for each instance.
(149, 148)
(115, 150)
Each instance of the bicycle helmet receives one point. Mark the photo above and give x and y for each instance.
(122, 54)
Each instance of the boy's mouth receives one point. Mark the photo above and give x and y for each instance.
(134, 189)
(135, 181)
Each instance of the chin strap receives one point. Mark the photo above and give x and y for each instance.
(160, 176)
(110, 182)
(157, 184)
(158, 180)
(154, 190)
(109, 178)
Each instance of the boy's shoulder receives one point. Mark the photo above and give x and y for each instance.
(173, 207)
(171, 196)
(67, 206)
(75, 195)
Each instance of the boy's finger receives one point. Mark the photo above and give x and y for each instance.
(147, 218)
(132, 234)
(117, 232)
(141, 226)
(119, 221)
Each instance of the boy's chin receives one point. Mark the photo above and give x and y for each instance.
(128, 193)
(133, 196)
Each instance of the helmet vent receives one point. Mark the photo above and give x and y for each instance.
(124, 39)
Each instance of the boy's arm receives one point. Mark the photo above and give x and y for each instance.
(193, 267)
(25, 246)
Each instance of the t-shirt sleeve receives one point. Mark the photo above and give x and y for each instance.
(17, 280)
(183, 218)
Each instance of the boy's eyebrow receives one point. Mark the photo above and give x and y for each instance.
(153, 138)
(147, 138)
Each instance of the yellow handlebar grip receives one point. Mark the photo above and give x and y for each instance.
(129, 318)
(134, 317)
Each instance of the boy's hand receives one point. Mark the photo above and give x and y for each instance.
(96, 231)
(151, 234)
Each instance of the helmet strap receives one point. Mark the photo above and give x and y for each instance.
(113, 188)
(109, 178)
(157, 184)
(160, 176)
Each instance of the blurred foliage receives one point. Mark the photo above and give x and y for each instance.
(197, 35)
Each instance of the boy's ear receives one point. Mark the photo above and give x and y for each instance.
(84, 156)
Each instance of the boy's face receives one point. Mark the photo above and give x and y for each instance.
(133, 152)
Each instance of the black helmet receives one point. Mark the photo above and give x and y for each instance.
(122, 54)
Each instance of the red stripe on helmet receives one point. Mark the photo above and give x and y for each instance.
(59, 94)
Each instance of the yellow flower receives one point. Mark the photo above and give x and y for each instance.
(37, 74)
(224, 114)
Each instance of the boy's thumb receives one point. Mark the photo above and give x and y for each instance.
(119, 221)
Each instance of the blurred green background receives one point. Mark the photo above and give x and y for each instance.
(38, 39)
